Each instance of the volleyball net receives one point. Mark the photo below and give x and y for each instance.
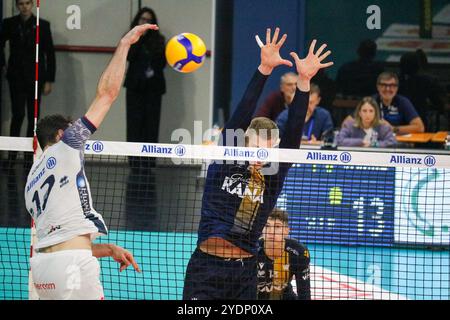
(376, 223)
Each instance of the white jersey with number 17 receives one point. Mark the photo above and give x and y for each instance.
(57, 193)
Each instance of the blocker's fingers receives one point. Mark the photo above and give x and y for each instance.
(259, 42)
(326, 54)
(295, 56)
(326, 65)
(275, 36)
(286, 63)
(322, 47)
(312, 46)
(268, 31)
(282, 40)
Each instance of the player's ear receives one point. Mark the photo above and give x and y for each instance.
(59, 135)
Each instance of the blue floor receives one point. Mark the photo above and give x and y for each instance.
(416, 274)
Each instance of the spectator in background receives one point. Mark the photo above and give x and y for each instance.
(423, 60)
(20, 31)
(358, 78)
(327, 89)
(279, 100)
(318, 120)
(145, 85)
(396, 109)
(424, 91)
(366, 130)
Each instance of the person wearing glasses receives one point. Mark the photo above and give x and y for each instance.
(397, 111)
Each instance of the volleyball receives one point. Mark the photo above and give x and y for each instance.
(185, 52)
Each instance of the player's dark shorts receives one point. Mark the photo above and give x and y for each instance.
(210, 277)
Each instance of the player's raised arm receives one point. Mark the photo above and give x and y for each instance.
(111, 80)
(307, 68)
(270, 59)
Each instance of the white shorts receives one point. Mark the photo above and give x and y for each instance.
(66, 275)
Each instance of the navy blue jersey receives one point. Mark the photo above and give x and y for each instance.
(238, 200)
(275, 276)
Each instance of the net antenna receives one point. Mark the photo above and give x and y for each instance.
(32, 294)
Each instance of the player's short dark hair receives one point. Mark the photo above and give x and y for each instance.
(279, 214)
(47, 128)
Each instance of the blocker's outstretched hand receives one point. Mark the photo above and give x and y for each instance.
(270, 52)
(309, 66)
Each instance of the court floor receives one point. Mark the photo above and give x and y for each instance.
(337, 272)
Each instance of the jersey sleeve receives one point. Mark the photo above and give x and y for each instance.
(78, 133)
(302, 274)
(242, 116)
(295, 121)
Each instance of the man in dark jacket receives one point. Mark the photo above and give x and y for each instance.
(20, 31)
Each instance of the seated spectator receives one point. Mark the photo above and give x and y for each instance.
(396, 110)
(279, 100)
(327, 87)
(366, 130)
(358, 78)
(424, 91)
(317, 121)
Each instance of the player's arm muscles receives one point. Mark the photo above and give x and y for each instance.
(109, 86)
(111, 80)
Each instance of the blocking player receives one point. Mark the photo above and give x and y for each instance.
(57, 195)
(238, 199)
(281, 259)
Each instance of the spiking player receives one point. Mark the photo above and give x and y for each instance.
(238, 199)
(57, 196)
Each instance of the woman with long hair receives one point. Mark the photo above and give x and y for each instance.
(367, 130)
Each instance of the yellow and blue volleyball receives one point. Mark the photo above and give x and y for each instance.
(185, 52)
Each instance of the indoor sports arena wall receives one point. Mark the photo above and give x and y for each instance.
(103, 22)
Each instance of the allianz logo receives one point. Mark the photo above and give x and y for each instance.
(344, 157)
(261, 154)
(429, 161)
(179, 150)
